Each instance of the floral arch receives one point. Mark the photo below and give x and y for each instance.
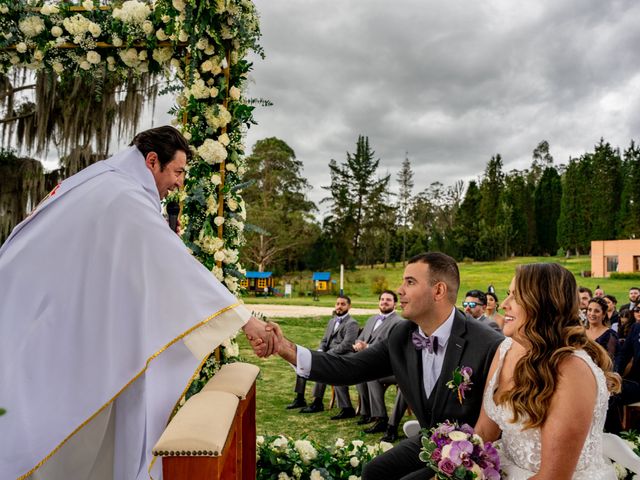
(89, 49)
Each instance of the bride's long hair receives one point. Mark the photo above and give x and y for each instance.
(552, 331)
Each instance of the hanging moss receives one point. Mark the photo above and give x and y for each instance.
(21, 189)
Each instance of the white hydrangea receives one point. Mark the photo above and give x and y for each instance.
(93, 57)
(133, 12)
(49, 9)
(162, 55)
(306, 450)
(129, 57)
(31, 26)
(217, 121)
(198, 90)
(78, 26)
(212, 151)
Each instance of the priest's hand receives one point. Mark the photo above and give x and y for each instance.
(261, 336)
(360, 345)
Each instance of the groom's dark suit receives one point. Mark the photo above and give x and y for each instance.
(471, 344)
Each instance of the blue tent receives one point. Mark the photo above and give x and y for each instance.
(320, 276)
(258, 274)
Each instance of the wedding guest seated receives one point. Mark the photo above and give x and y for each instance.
(474, 305)
(491, 311)
(626, 321)
(627, 364)
(338, 339)
(598, 329)
(612, 313)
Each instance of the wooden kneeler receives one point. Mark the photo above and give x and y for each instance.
(239, 379)
(200, 442)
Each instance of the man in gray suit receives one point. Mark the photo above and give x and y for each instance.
(377, 328)
(422, 354)
(341, 332)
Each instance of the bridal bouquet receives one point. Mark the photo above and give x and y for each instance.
(456, 452)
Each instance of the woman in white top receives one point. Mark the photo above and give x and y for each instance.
(547, 391)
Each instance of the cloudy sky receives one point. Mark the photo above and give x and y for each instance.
(450, 82)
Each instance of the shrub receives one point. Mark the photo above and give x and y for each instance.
(625, 275)
(379, 284)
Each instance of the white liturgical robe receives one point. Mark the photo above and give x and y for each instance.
(104, 319)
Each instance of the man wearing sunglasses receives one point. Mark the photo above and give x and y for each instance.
(475, 304)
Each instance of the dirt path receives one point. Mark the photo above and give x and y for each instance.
(283, 311)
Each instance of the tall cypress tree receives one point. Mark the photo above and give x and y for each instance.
(604, 186)
(629, 216)
(356, 196)
(548, 197)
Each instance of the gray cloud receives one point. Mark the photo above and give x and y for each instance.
(451, 83)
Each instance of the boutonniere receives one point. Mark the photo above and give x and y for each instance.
(461, 381)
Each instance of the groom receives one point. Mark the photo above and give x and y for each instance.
(422, 354)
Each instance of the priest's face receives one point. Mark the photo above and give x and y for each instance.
(169, 177)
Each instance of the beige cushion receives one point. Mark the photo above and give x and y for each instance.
(235, 378)
(200, 427)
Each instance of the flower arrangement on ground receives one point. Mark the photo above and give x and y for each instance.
(281, 458)
(457, 452)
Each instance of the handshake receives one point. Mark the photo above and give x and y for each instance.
(266, 339)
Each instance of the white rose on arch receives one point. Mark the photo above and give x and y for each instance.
(218, 221)
(234, 93)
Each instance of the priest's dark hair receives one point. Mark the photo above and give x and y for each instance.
(165, 141)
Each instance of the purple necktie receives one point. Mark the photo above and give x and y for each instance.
(420, 342)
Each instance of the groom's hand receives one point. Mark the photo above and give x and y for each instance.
(261, 336)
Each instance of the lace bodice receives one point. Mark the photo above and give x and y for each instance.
(521, 447)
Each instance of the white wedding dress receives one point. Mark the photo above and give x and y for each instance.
(520, 448)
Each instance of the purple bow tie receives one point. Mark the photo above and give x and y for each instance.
(420, 342)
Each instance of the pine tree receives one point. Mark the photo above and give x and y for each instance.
(629, 217)
(405, 183)
(548, 197)
(356, 196)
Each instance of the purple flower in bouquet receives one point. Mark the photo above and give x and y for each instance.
(452, 451)
(446, 466)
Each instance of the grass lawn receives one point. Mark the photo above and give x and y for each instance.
(473, 275)
(277, 379)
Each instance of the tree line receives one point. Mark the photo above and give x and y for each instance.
(547, 209)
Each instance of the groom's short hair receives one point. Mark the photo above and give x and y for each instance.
(442, 268)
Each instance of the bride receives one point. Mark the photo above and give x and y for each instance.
(547, 396)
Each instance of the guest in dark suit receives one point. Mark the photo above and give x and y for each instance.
(628, 352)
(634, 299)
(338, 339)
(372, 405)
(422, 354)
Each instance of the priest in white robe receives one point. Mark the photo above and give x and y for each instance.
(105, 318)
